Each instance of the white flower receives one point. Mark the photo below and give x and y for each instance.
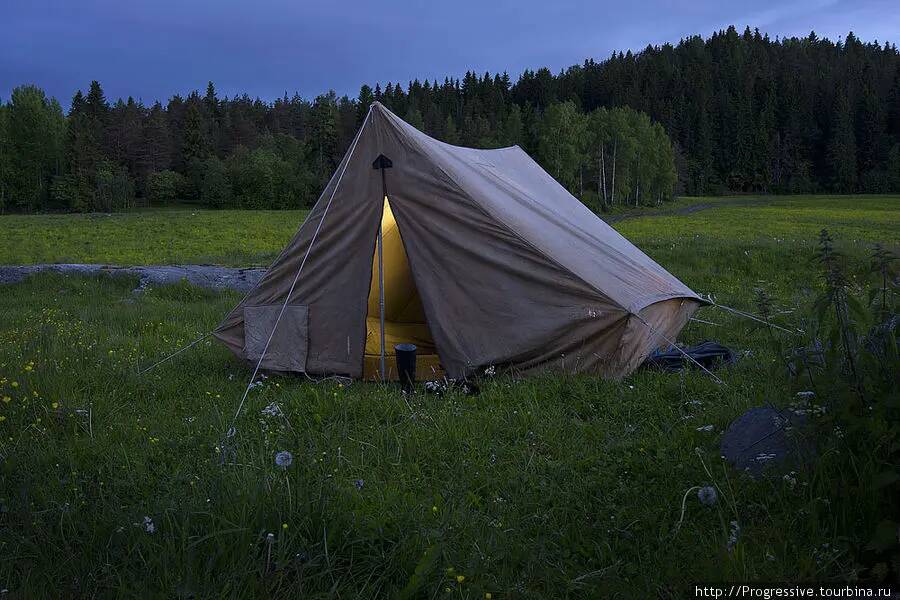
(790, 480)
(284, 459)
(149, 527)
(273, 410)
(707, 495)
(706, 428)
(735, 534)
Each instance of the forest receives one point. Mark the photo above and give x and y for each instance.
(732, 113)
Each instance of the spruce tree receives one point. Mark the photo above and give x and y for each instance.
(841, 151)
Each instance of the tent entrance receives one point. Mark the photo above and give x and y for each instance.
(404, 317)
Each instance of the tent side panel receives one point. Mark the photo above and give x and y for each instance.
(334, 283)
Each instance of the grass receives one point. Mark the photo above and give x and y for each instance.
(228, 237)
(250, 238)
(555, 486)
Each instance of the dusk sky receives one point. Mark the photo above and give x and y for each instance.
(152, 50)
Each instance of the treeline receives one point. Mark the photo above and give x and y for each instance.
(732, 113)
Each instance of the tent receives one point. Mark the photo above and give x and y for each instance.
(487, 261)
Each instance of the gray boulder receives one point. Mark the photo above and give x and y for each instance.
(765, 440)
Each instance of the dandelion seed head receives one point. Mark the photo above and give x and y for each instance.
(284, 459)
(707, 495)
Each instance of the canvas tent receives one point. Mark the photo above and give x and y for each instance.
(487, 260)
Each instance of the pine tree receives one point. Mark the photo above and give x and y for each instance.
(365, 100)
(156, 150)
(451, 135)
(34, 129)
(194, 144)
(5, 157)
(841, 152)
(324, 137)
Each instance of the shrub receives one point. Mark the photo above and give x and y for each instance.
(163, 187)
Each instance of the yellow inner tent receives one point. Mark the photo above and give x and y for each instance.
(404, 318)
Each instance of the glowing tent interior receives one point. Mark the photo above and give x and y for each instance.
(404, 317)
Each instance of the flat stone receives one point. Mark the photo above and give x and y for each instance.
(765, 441)
(207, 276)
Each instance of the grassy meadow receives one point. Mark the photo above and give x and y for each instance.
(114, 484)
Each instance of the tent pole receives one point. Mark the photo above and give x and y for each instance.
(381, 285)
(381, 163)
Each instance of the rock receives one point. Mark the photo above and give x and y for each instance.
(208, 276)
(765, 439)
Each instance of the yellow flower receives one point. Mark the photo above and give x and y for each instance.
(28, 367)
(2, 418)
(55, 405)
(284, 525)
(7, 399)
(434, 509)
(15, 384)
(460, 578)
(487, 596)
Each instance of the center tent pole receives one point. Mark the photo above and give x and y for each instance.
(381, 163)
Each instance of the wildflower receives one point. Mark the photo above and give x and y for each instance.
(149, 526)
(790, 479)
(284, 459)
(272, 410)
(707, 495)
(434, 509)
(28, 368)
(706, 428)
(460, 578)
(284, 525)
(14, 384)
(2, 418)
(487, 596)
(359, 484)
(55, 405)
(7, 399)
(735, 534)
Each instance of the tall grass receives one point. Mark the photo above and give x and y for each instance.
(555, 486)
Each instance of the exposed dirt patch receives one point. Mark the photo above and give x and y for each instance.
(208, 276)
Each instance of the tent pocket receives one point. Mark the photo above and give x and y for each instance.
(288, 349)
